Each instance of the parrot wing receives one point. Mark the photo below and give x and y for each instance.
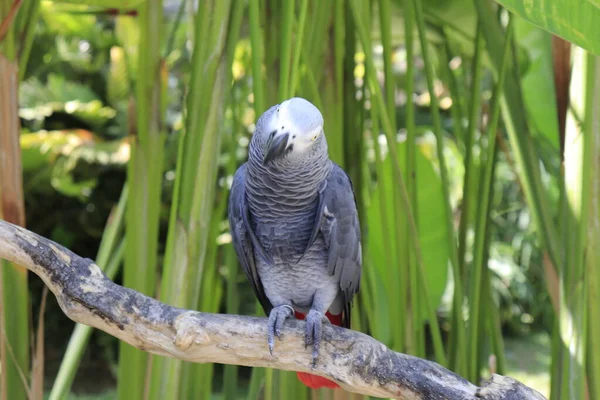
(337, 221)
(243, 238)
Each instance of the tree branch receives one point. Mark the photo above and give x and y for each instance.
(357, 362)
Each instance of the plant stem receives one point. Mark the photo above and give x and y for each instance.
(483, 218)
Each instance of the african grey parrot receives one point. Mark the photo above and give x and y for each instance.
(295, 226)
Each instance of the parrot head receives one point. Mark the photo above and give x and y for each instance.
(292, 131)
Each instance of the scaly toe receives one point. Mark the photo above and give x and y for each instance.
(314, 326)
(277, 317)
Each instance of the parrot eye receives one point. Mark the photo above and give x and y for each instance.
(315, 137)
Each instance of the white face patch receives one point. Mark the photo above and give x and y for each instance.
(302, 142)
(301, 120)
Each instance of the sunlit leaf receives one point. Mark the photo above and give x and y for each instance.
(40, 149)
(538, 80)
(575, 21)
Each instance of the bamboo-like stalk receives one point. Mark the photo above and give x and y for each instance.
(298, 47)
(519, 136)
(385, 23)
(373, 278)
(593, 249)
(14, 295)
(230, 374)
(352, 126)
(577, 200)
(437, 129)
(469, 143)
(286, 49)
(27, 17)
(341, 113)
(192, 209)
(459, 271)
(411, 171)
(401, 187)
(494, 327)
(8, 44)
(402, 318)
(476, 272)
(197, 380)
(145, 176)
(257, 56)
(109, 259)
(593, 253)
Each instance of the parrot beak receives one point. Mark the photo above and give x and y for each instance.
(276, 147)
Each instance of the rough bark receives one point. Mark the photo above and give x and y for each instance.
(357, 362)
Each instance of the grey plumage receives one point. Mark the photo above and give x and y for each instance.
(294, 221)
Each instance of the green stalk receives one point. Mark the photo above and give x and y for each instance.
(518, 132)
(145, 175)
(353, 113)
(397, 282)
(256, 383)
(312, 87)
(14, 295)
(483, 218)
(459, 271)
(495, 329)
(257, 57)
(340, 113)
(111, 259)
(269, 387)
(401, 311)
(14, 330)
(401, 187)
(491, 319)
(231, 379)
(385, 23)
(8, 45)
(192, 209)
(456, 93)
(197, 380)
(391, 285)
(27, 33)
(437, 129)
(175, 28)
(298, 47)
(578, 179)
(593, 253)
(411, 172)
(286, 49)
(315, 47)
(469, 143)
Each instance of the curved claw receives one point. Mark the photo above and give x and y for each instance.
(277, 317)
(314, 332)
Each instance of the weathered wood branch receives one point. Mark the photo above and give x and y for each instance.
(357, 362)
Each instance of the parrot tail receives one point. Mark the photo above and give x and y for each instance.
(314, 381)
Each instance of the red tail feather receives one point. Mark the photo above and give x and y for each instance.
(314, 381)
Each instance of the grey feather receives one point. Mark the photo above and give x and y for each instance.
(243, 238)
(339, 225)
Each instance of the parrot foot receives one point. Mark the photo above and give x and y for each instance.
(277, 317)
(314, 329)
